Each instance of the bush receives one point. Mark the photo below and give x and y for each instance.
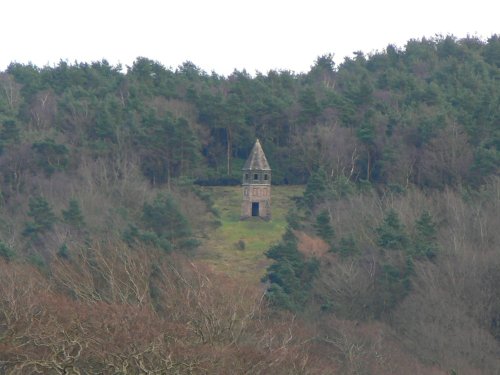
(218, 181)
(240, 245)
(6, 251)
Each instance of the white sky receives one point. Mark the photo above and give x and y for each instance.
(223, 35)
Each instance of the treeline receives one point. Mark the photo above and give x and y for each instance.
(426, 114)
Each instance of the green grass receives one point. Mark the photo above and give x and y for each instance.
(221, 250)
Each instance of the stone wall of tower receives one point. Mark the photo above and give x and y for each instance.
(256, 191)
(256, 185)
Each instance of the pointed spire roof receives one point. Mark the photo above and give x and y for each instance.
(257, 160)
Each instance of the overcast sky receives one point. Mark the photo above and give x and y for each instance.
(223, 35)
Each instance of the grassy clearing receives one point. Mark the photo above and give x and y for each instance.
(221, 249)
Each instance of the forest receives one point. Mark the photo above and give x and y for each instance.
(389, 262)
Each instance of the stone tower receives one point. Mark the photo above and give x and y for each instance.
(256, 185)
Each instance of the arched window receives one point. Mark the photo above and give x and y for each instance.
(255, 176)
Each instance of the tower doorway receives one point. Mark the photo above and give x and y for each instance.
(255, 208)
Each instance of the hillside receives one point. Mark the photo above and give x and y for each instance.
(245, 260)
(121, 248)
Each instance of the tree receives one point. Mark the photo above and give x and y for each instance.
(168, 146)
(291, 275)
(324, 227)
(6, 251)
(73, 214)
(425, 242)
(317, 189)
(52, 156)
(165, 219)
(346, 247)
(9, 132)
(43, 217)
(391, 233)
(310, 109)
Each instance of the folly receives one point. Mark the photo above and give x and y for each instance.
(256, 185)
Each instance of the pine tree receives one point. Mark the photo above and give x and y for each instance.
(346, 247)
(43, 217)
(392, 234)
(323, 226)
(73, 215)
(9, 133)
(425, 242)
(6, 251)
(317, 189)
(290, 275)
(164, 218)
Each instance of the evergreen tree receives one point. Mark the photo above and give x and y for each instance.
(323, 226)
(164, 218)
(425, 242)
(43, 217)
(6, 251)
(393, 284)
(9, 132)
(317, 189)
(291, 275)
(63, 251)
(391, 233)
(51, 155)
(346, 247)
(73, 215)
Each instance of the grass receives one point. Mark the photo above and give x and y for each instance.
(221, 250)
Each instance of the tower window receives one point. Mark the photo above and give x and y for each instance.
(255, 176)
(265, 177)
(246, 176)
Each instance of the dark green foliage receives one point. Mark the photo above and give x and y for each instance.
(492, 50)
(425, 242)
(188, 243)
(397, 99)
(310, 108)
(73, 214)
(317, 190)
(391, 233)
(134, 235)
(43, 217)
(293, 219)
(346, 247)
(6, 251)
(163, 225)
(487, 160)
(164, 218)
(291, 274)
(168, 146)
(51, 156)
(207, 199)
(240, 245)
(342, 186)
(393, 285)
(9, 133)
(324, 227)
(366, 132)
(63, 251)
(37, 260)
